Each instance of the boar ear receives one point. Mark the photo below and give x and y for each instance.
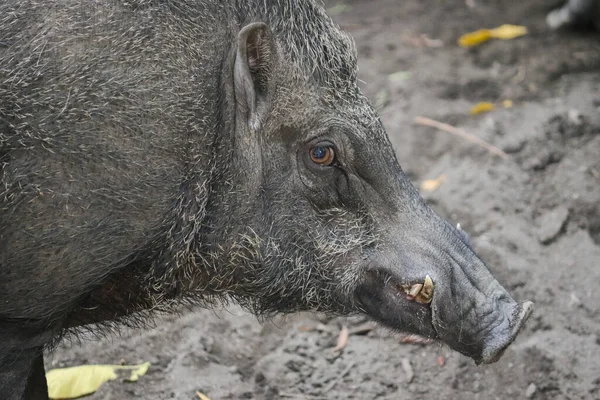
(253, 62)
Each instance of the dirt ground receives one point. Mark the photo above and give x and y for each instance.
(534, 217)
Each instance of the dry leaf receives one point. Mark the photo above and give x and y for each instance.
(503, 32)
(342, 339)
(474, 38)
(430, 185)
(73, 382)
(399, 76)
(507, 32)
(136, 371)
(482, 107)
(507, 103)
(202, 396)
(428, 42)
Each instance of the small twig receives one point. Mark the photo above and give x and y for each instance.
(362, 329)
(342, 340)
(459, 132)
(338, 378)
(408, 370)
(415, 339)
(300, 396)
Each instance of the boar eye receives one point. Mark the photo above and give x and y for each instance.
(322, 155)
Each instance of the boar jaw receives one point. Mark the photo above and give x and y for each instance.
(461, 305)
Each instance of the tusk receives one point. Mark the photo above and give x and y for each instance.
(415, 289)
(426, 293)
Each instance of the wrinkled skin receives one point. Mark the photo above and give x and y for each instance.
(168, 153)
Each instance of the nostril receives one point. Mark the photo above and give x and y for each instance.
(497, 345)
(526, 311)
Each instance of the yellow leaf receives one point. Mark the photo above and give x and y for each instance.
(481, 108)
(507, 103)
(202, 396)
(430, 185)
(474, 38)
(137, 371)
(70, 383)
(506, 32)
(73, 382)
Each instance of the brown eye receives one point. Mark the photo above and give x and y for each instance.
(322, 155)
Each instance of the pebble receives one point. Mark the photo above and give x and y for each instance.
(531, 389)
(551, 223)
(514, 146)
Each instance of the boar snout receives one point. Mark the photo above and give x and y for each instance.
(499, 339)
(434, 285)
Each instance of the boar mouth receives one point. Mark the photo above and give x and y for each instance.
(419, 292)
(401, 304)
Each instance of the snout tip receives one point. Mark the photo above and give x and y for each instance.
(494, 348)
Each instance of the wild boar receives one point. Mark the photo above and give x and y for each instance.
(155, 152)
